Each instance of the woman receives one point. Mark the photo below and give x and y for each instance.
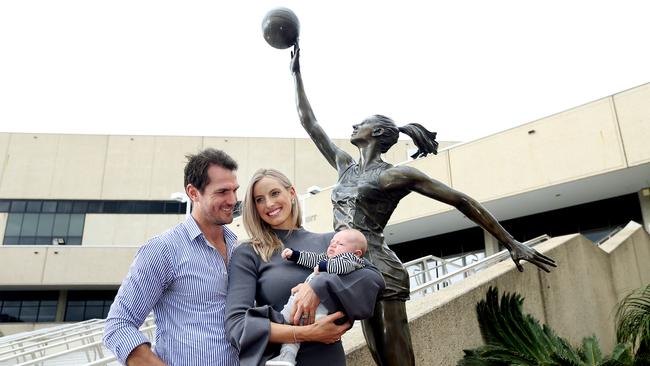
(261, 281)
(365, 197)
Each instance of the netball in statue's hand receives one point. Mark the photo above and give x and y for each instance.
(281, 28)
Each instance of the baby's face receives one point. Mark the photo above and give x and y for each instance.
(343, 242)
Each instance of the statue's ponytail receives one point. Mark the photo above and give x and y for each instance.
(424, 139)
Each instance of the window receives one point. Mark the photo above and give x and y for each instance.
(40, 222)
(84, 305)
(43, 228)
(28, 306)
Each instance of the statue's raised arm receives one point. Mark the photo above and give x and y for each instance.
(337, 158)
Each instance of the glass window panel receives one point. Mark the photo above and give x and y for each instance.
(61, 223)
(45, 224)
(79, 206)
(157, 207)
(76, 302)
(76, 227)
(12, 303)
(33, 206)
(14, 222)
(11, 311)
(4, 206)
(29, 313)
(171, 207)
(93, 312)
(47, 314)
(27, 240)
(49, 206)
(64, 206)
(10, 240)
(43, 240)
(127, 207)
(48, 303)
(94, 207)
(141, 207)
(18, 206)
(111, 207)
(74, 313)
(73, 240)
(30, 222)
(31, 303)
(94, 302)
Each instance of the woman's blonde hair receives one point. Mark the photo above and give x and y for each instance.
(262, 237)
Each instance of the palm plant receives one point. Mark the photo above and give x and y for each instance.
(514, 338)
(633, 324)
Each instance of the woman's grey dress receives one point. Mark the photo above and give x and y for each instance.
(257, 291)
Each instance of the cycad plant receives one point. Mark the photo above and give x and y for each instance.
(514, 338)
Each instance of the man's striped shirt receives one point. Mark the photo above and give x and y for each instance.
(183, 279)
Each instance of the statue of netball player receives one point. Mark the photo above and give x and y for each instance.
(367, 193)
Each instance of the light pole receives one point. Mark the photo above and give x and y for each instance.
(182, 197)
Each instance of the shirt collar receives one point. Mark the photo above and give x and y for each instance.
(194, 232)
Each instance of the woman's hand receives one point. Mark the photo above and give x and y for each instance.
(304, 305)
(519, 251)
(325, 330)
(295, 59)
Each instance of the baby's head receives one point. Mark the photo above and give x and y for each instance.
(348, 241)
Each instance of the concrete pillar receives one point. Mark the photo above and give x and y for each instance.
(60, 307)
(491, 244)
(644, 200)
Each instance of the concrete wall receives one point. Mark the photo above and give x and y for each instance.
(577, 299)
(64, 266)
(50, 166)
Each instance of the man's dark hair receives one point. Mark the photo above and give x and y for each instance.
(196, 170)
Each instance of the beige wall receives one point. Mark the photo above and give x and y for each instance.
(64, 266)
(599, 137)
(577, 299)
(633, 111)
(125, 230)
(48, 166)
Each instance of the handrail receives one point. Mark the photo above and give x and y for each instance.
(609, 236)
(472, 268)
(87, 333)
(45, 331)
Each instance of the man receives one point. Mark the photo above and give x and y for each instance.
(182, 276)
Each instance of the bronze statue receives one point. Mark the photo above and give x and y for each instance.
(365, 197)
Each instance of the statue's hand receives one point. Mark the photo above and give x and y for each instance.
(295, 59)
(519, 252)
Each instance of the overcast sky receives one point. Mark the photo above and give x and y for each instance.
(462, 68)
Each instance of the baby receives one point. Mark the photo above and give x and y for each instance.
(343, 255)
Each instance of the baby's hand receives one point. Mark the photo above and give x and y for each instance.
(286, 253)
(316, 271)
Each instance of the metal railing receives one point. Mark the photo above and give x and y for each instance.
(70, 344)
(447, 279)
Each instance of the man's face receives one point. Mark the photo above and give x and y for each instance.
(216, 204)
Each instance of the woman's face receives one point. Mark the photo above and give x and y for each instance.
(273, 203)
(363, 131)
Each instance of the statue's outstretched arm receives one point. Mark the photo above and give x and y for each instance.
(416, 181)
(337, 158)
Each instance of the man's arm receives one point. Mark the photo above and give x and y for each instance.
(149, 275)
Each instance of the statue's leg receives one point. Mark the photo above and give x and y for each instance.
(388, 336)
